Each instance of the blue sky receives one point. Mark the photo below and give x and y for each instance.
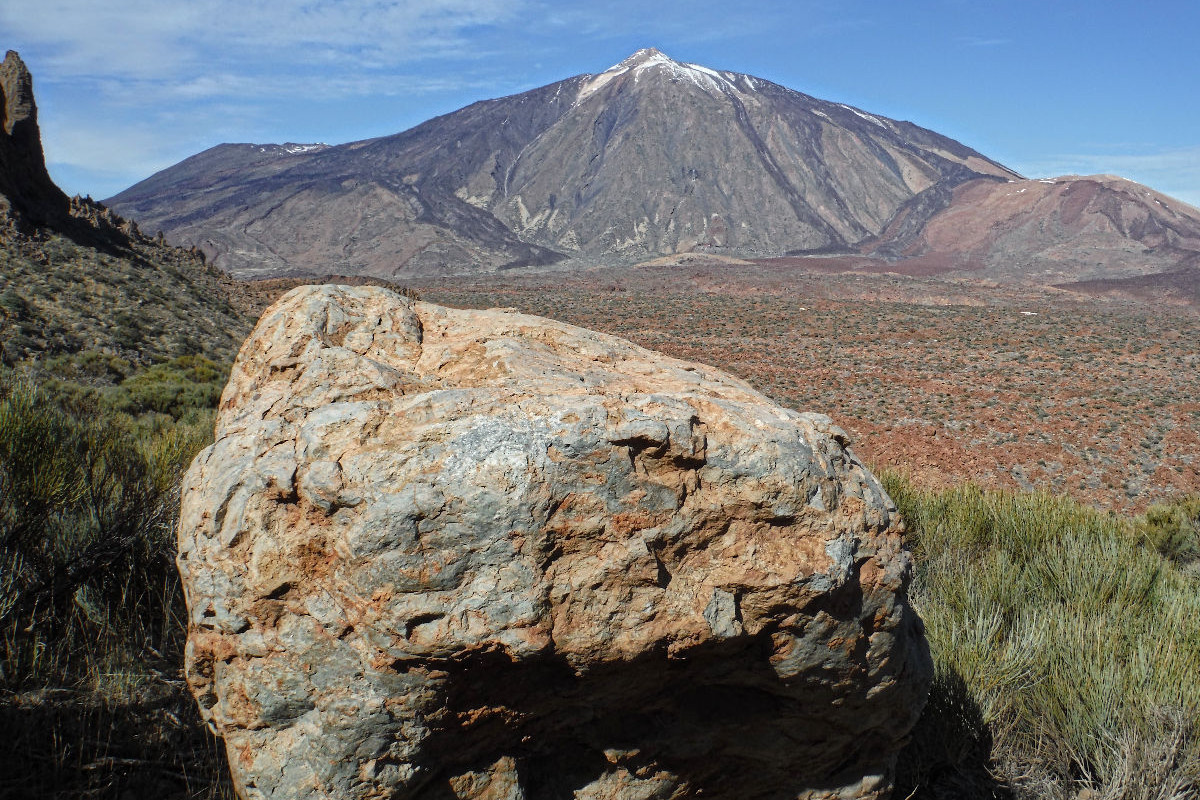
(128, 87)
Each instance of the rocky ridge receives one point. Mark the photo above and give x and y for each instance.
(74, 276)
(477, 554)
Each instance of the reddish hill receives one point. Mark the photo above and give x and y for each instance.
(1049, 232)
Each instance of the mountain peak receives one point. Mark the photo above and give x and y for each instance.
(651, 157)
(645, 56)
(651, 60)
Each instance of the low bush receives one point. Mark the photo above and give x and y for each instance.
(1174, 529)
(1066, 643)
(91, 611)
(174, 387)
(86, 512)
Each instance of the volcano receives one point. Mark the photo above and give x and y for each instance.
(652, 157)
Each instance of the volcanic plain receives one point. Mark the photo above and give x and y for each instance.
(1095, 397)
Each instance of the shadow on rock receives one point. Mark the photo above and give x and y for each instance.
(717, 724)
(950, 752)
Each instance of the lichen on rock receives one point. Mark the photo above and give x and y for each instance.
(439, 553)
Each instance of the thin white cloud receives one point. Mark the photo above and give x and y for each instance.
(1174, 171)
(688, 22)
(984, 41)
(162, 39)
(108, 152)
(132, 86)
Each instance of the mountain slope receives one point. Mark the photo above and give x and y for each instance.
(75, 278)
(650, 157)
(1049, 231)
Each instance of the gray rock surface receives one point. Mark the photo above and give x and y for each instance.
(437, 553)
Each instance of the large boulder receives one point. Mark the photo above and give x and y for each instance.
(437, 553)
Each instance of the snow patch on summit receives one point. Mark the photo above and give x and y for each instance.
(291, 148)
(642, 61)
(304, 148)
(864, 115)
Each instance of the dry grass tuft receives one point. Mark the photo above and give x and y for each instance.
(1067, 647)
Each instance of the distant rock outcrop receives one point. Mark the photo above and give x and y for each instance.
(26, 191)
(437, 553)
(75, 276)
(30, 201)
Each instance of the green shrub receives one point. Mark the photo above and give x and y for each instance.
(1077, 645)
(78, 505)
(1174, 529)
(99, 367)
(14, 304)
(91, 610)
(87, 506)
(174, 387)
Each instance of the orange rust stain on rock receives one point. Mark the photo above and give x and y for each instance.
(626, 523)
(868, 573)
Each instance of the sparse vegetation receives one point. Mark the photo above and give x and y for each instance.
(91, 612)
(112, 357)
(1066, 642)
(141, 302)
(953, 383)
(1067, 639)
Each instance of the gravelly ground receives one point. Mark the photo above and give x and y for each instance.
(1098, 399)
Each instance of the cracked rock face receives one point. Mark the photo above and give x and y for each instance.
(475, 554)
